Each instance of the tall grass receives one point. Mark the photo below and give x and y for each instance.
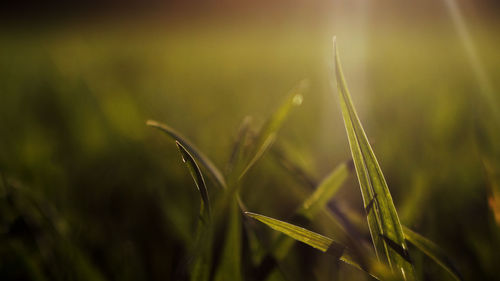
(392, 259)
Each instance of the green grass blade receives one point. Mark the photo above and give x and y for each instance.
(383, 221)
(321, 243)
(201, 252)
(230, 267)
(268, 133)
(433, 251)
(325, 191)
(204, 160)
(316, 202)
(374, 268)
(240, 145)
(195, 172)
(303, 235)
(354, 256)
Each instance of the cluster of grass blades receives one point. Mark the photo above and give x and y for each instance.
(220, 224)
(227, 210)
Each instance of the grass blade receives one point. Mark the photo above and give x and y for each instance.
(433, 251)
(230, 267)
(204, 160)
(268, 133)
(316, 202)
(195, 172)
(373, 268)
(426, 246)
(325, 191)
(303, 235)
(321, 243)
(200, 257)
(201, 254)
(354, 254)
(332, 211)
(383, 221)
(240, 143)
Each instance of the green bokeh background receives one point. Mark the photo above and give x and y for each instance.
(94, 194)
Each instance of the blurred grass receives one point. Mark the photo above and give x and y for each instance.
(73, 102)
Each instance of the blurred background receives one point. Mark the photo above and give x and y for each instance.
(90, 193)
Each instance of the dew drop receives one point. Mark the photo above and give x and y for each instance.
(297, 99)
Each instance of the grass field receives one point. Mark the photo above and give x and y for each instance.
(91, 193)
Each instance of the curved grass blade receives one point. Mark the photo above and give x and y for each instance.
(200, 256)
(433, 251)
(303, 235)
(383, 221)
(195, 172)
(268, 133)
(204, 160)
